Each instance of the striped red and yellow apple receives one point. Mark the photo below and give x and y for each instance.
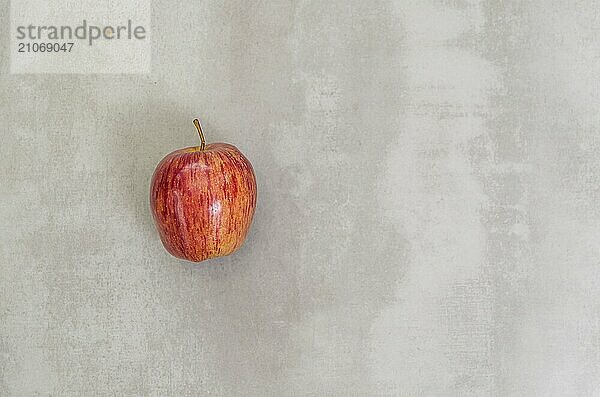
(203, 200)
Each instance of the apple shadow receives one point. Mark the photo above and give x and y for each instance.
(136, 146)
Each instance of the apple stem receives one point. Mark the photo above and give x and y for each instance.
(199, 128)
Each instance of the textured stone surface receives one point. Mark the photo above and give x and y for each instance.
(427, 223)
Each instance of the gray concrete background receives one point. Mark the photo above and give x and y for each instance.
(428, 220)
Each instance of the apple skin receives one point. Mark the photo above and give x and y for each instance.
(203, 201)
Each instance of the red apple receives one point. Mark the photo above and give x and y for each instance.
(203, 200)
